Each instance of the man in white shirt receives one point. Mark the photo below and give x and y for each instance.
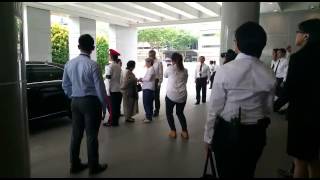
(212, 67)
(114, 77)
(281, 70)
(158, 67)
(274, 61)
(241, 99)
(202, 75)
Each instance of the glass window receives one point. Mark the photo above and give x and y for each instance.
(39, 73)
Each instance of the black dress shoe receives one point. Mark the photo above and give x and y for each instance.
(97, 169)
(197, 103)
(77, 168)
(155, 114)
(107, 124)
(203, 101)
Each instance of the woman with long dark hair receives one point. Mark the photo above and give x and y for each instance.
(302, 92)
(176, 94)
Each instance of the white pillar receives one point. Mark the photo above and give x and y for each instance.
(77, 27)
(14, 131)
(125, 41)
(233, 14)
(37, 34)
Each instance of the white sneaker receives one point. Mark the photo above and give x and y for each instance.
(146, 121)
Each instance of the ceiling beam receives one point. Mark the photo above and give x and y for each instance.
(186, 21)
(212, 9)
(125, 10)
(75, 12)
(86, 7)
(147, 6)
(174, 8)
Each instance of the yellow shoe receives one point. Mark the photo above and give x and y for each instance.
(173, 134)
(185, 135)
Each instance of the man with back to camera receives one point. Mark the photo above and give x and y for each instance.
(240, 103)
(82, 81)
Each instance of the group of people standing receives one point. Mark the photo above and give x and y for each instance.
(242, 99)
(238, 112)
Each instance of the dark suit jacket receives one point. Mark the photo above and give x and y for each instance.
(302, 85)
(302, 91)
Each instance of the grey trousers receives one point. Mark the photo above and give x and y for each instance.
(86, 115)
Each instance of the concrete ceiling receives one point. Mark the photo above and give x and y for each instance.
(157, 13)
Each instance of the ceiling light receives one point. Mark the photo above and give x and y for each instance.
(270, 3)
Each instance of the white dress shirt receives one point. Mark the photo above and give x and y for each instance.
(106, 81)
(281, 71)
(176, 86)
(205, 72)
(212, 68)
(148, 81)
(273, 65)
(158, 67)
(245, 82)
(115, 73)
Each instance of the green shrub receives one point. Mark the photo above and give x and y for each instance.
(102, 52)
(60, 43)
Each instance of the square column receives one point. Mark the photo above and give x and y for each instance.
(37, 34)
(77, 27)
(125, 41)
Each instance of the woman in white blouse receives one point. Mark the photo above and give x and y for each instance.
(148, 87)
(176, 94)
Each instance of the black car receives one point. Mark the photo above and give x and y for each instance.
(45, 96)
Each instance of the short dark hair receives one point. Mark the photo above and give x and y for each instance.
(312, 27)
(131, 64)
(202, 57)
(251, 38)
(86, 42)
(282, 50)
(152, 51)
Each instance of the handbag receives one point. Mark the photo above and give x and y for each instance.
(205, 173)
(139, 88)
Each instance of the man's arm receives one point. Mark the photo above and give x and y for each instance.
(216, 105)
(66, 83)
(160, 72)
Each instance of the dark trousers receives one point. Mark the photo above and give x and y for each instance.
(148, 96)
(238, 158)
(116, 98)
(179, 111)
(157, 97)
(211, 79)
(278, 87)
(201, 83)
(86, 115)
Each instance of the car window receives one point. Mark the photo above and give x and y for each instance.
(39, 73)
